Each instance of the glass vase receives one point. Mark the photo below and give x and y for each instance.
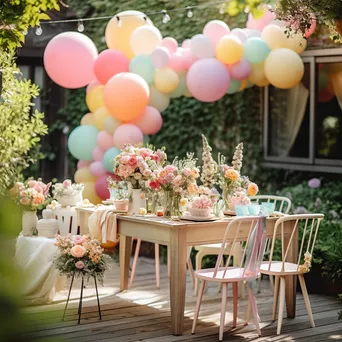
(171, 203)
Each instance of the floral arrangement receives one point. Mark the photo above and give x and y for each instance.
(118, 189)
(30, 195)
(239, 198)
(209, 165)
(212, 193)
(202, 202)
(81, 256)
(66, 189)
(136, 164)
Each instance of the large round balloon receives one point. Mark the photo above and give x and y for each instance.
(69, 58)
(284, 68)
(109, 63)
(120, 28)
(255, 50)
(100, 116)
(229, 49)
(126, 96)
(101, 187)
(274, 36)
(111, 124)
(108, 158)
(208, 80)
(84, 175)
(145, 39)
(150, 122)
(88, 119)
(90, 193)
(94, 98)
(104, 140)
(166, 80)
(127, 134)
(201, 46)
(215, 30)
(142, 65)
(158, 99)
(97, 169)
(82, 141)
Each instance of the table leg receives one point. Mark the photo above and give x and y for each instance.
(178, 256)
(291, 281)
(125, 255)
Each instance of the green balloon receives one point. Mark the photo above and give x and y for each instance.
(181, 88)
(158, 99)
(82, 141)
(108, 158)
(255, 50)
(234, 86)
(142, 65)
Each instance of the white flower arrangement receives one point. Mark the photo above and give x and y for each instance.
(209, 168)
(66, 189)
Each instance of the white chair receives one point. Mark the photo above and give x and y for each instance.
(306, 226)
(67, 221)
(250, 229)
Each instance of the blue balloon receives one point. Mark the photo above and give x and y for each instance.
(143, 66)
(255, 50)
(108, 158)
(234, 86)
(82, 141)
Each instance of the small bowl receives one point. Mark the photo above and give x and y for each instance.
(121, 205)
(268, 207)
(254, 209)
(241, 210)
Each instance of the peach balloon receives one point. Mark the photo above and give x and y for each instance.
(274, 36)
(150, 122)
(89, 193)
(69, 58)
(284, 68)
(97, 154)
(91, 85)
(296, 42)
(104, 140)
(94, 98)
(145, 39)
(100, 116)
(166, 80)
(170, 43)
(258, 76)
(110, 63)
(126, 96)
(84, 175)
(88, 119)
(127, 134)
(312, 27)
(111, 124)
(215, 30)
(229, 50)
(118, 32)
(83, 163)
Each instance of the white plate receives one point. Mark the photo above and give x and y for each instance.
(230, 212)
(199, 218)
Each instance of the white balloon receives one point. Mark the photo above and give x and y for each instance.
(201, 46)
(145, 39)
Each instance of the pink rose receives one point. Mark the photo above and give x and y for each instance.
(170, 169)
(23, 193)
(31, 183)
(78, 239)
(147, 173)
(186, 172)
(170, 177)
(38, 187)
(79, 265)
(67, 183)
(125, 159)
(78, 251)
(154, 157)
(144, 153)
(25, 201)
(132, 161)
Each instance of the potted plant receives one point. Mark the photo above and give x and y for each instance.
(68, 194)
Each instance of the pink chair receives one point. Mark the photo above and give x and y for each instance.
(251, 230)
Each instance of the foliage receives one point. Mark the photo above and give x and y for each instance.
(20, 126)
(225, 123)
(16, 16)
(326, 199)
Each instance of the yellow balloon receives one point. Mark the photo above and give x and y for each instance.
(94, 98)
(88, 119)
(257, 75)
(296, 42)
(229, 50)
(158, 99)
(118, 32)
(99, 117)
(274, 36)
(90, 193)
(284, 68)
(166, 80)
(111, 124)
(83, 175)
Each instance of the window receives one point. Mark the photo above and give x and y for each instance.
(303, 125)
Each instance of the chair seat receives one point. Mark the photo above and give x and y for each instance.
(233, 274)
(276, 268)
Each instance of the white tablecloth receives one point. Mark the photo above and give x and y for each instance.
(40, 278)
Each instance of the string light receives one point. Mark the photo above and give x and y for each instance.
(222, 9)
(166, 17)
(119, 21)
(39, 31)
(80, 27)
(190, 13)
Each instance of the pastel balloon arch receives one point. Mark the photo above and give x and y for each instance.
(132, 82)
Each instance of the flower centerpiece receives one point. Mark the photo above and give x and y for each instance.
(80, 256)
(201, 206)
(67, 193)
(118, 193)
(30, 196)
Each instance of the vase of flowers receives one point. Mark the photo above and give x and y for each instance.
(30, 196)
(68, 194)
(201, 206)
(118, 193)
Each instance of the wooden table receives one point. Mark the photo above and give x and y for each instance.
(177, 235)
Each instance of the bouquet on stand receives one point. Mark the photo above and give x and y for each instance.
(68, 193)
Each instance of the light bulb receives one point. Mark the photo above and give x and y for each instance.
(80, 27)
(222, 9)
(166, 17)
(190, 13)
(39, 31)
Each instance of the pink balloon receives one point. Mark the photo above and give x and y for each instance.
(215, 30)
(201, 46)
(170, 43)
(109, 63)
(241, 34)
(69, 58)
(127, 134)
(208, 80)
(97, 154)
(160, 56)
(312, 28)
(150, 122)
(240, 70)
(83, 163)
(104, 140)
(176, 62)
(186, 44)
(189, 58)
(101, 186)
(97, 169)
(91, 85)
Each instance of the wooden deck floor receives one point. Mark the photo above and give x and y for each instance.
(142, 314)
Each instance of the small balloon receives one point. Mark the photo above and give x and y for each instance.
(239, 33)
(150, 122)
(97, 169)
(234, 86)
(142, 65)
(97, 154)
(84, 175)
(255, 50)
(101, 187)
(201, 46)
(94, 98)
(274, 36)
(160, 57)
(240, 70)
(127, 134)
(181, 88)
(170, 43)
(108, 158)
(90, 193)
(229, 50)
(99, 117)
(145, 39)
(111, 124)
(88, 119)
(91, 85)
(166, 80)
(158, 99)
(83, 163)
(104, 140)
(215, 30)
(177, 62)
(186, 44)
